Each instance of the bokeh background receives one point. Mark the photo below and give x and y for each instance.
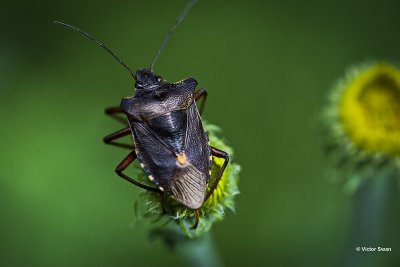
(267, 65)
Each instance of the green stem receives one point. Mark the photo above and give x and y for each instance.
(200, 252)
(195, 252)
(371, 202)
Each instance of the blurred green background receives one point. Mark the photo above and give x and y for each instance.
(267, 66)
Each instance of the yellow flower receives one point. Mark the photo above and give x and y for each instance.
(363, 119)
(370, 109)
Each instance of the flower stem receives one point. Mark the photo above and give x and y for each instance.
(371, 203)
(195, 252)
(201, 252)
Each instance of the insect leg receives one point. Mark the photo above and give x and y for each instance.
(219, 154)
(196, 222)
(109, 139)
(162, 203)
(201, 93)
(113, 113)
(124, 164)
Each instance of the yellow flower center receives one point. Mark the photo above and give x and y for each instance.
(370, 109)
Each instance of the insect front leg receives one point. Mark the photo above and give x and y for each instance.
(197, 95)
(109, 139)
(113, 113)
(219, 154)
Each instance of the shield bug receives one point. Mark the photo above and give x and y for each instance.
(168, 135)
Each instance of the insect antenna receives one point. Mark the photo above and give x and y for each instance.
(97, 42)
(177, 22)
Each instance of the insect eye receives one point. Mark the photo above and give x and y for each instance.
(159, 78)
(139, 85)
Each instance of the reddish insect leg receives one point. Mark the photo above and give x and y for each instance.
(219, 154)
(109, 139)
(196, 218)
(124, 164)
(113, 113)
(197, 95)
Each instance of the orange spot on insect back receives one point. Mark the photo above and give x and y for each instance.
(181, 158)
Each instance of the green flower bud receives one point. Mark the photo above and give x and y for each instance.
(362, 122)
